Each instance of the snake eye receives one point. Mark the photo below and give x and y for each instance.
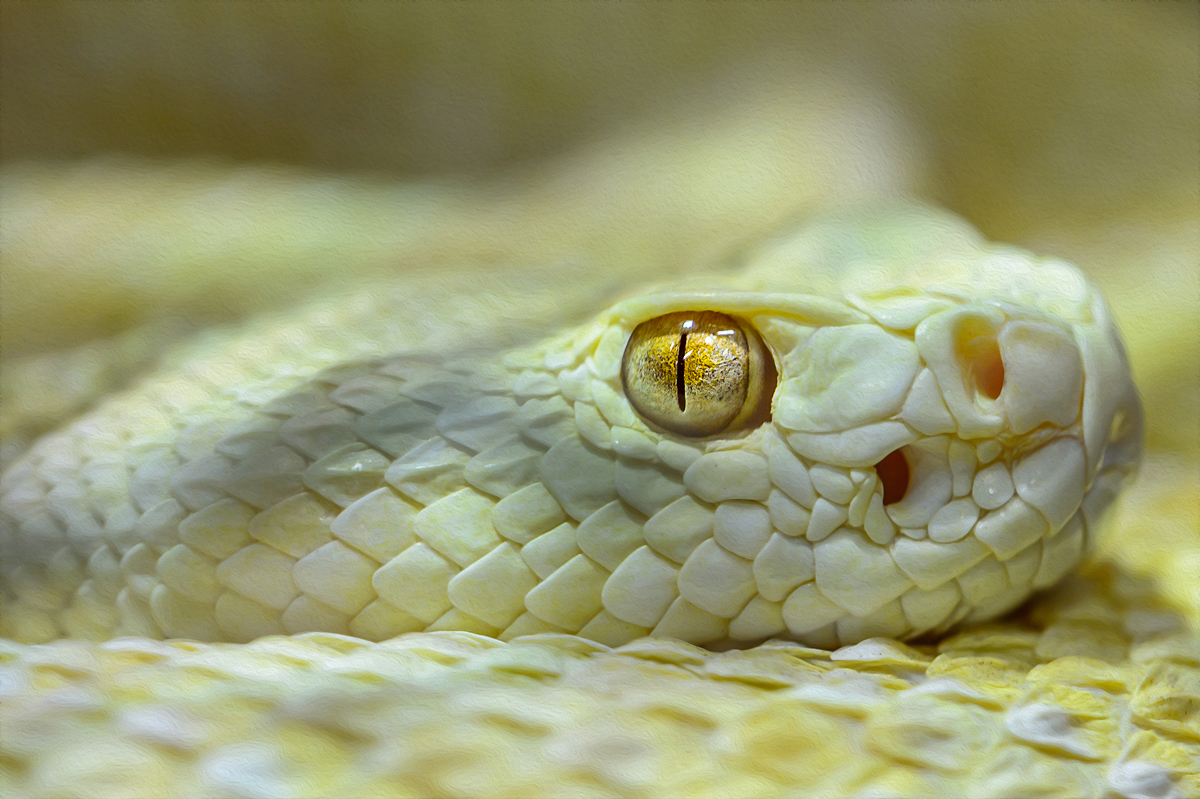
(698, 373)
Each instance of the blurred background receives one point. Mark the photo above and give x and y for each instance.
(168, 167)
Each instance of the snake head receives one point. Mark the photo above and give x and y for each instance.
(876, 425)
(928, 454)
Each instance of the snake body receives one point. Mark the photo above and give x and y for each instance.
(472, 488)
(518, 492)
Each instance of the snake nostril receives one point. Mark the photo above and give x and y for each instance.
(989, 373)
(979, 353)
(893, 474)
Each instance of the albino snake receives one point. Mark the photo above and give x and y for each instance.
(877, 426)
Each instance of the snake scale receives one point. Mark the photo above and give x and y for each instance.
(923, 429)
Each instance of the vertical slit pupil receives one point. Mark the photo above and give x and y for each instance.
(893, 474)
(679, 384)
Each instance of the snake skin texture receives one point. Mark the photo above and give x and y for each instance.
(521, 494)
(523, 543)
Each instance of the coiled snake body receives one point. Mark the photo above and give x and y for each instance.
(291, 479)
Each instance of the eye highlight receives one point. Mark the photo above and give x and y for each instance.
(698, 373)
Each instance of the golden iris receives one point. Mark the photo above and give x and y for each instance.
(698, 373)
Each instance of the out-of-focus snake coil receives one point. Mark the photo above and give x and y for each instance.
(475, 484)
